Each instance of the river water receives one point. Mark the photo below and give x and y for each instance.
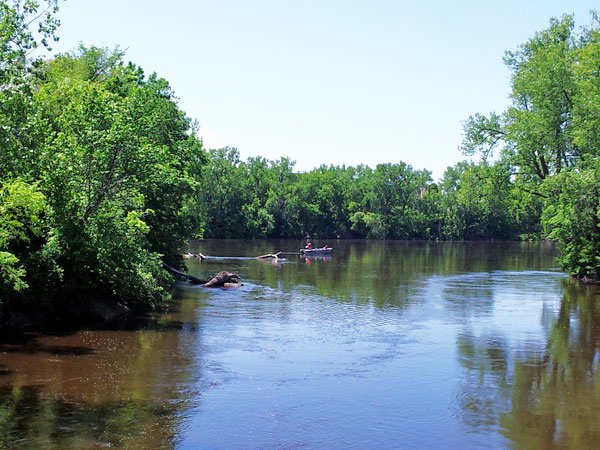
(383, 345)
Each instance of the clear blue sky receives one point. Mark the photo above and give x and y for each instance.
(324, 82)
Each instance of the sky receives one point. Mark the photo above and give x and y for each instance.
(324, 82)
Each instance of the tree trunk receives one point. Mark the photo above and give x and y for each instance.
(177, 273)
(222, 279)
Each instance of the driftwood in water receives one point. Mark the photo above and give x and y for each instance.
(199, 256)
(269, 256)
(222, 279)
(226, 279)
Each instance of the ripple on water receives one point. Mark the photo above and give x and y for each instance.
(354, 364)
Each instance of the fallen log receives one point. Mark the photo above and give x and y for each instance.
(199, 256)
(226, 279)
(178, 273)
(222, 279)
(269, 256)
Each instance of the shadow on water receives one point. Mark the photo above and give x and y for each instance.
(125, 385)
(50, 350)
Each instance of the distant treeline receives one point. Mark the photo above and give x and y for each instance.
(259, 198)
(103, 178)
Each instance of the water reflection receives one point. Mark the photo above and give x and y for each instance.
(31, 419)
(539, 391)
(382, 272)
(101, 388)
(381, 345)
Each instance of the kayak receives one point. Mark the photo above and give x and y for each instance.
(315, 251)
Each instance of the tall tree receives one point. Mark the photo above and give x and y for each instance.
(549, 135)
(20, 69)
(535, 132)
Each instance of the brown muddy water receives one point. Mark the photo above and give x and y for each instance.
(384, 345)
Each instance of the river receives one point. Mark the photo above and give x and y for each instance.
(383, 345)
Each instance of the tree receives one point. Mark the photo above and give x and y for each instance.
(99, 178)
(318, 203)
(480, 202)
(20, 69)
(572, 216)
(222, 195)
(535, 132)
(392, 205)
(119, 168)
(28, 249)
(549, 135)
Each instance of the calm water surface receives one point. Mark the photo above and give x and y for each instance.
(384, 345)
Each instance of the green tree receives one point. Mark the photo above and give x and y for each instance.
(549, 135)
(572, 216)
(28, 250)
(317, 203)
(222, 195)
(120, 168)
(20, 69)
(259, 182)
(535, 132)
(481, 202)
(99, 173)
(283, 179)
(392, 205)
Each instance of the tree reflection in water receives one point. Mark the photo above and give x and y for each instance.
(538, 395)
(31, 419)
(365, 338)
(126, 388)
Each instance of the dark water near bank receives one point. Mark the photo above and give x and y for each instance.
(384, 345)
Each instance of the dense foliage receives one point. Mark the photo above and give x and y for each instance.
(102, 177)
(549, 136)
(99, 171)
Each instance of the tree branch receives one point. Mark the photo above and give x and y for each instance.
(101, 195)
(539, 194)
